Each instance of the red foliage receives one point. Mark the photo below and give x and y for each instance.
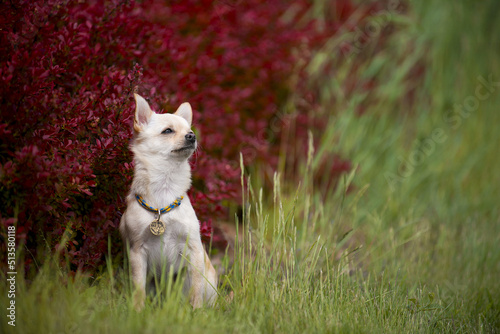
(67, 70)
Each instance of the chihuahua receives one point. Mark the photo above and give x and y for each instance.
(159, 226)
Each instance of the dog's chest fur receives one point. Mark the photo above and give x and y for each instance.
(181, 225)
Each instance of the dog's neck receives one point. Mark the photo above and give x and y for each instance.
(160, 184)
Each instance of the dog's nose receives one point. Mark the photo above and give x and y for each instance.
(191, 137)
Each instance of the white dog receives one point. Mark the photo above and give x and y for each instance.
(160, 225)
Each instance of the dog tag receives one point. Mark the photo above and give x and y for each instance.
(157, 227)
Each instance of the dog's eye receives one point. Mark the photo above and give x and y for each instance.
(167, 130)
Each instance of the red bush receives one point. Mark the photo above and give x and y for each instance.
(67, 70)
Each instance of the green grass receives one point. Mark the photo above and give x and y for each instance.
(417, 255)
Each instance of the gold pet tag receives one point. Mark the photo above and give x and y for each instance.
(157, 227)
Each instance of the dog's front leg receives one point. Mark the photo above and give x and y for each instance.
(138, 266)
(202, 279)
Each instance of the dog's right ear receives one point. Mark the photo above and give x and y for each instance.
(143, 113)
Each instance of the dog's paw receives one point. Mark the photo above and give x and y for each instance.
(229, 297)
(139, 297)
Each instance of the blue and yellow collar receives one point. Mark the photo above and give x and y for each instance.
(148, 207)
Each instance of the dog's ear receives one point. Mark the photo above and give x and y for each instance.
(142, 113)
(185, 112)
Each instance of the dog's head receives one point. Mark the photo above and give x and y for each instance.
(168, 135)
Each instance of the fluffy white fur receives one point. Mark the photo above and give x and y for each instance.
(162, 174)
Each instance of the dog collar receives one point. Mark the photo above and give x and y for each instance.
(148, 207)
(157, 227)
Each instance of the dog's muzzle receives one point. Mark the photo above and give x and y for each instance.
(190, 143)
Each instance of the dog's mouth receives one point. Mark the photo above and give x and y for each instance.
(185, 148)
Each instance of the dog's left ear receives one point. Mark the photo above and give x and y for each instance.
(185, 112)
(143, 113)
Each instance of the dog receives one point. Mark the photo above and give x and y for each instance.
(159, 226)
